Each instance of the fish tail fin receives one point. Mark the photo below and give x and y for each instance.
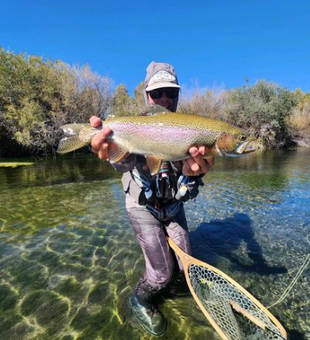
(75, 137)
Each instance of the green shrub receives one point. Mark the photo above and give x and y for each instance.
(263, 109)
(38, 96)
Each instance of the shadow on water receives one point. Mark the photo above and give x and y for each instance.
(295, 335)
(223, 238)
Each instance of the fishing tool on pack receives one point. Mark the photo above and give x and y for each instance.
(233, 312)
(182, 181)
(163, 182)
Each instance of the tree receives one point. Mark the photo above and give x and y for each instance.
(299, 121)
(204, 102)
(122, 102)
(139, 100)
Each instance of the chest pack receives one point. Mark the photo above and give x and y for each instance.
(162, 189)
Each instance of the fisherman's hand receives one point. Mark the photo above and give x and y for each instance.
(197, 165)
(99, 144)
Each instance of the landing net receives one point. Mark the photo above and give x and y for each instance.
(232, 310)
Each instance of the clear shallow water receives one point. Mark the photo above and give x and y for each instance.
(68, 256)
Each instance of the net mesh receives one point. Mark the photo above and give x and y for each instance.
(217, 295)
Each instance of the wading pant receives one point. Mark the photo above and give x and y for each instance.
(159, 259)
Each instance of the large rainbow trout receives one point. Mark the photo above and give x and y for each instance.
(166, 136)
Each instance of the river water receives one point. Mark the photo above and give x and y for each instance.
(68, 255)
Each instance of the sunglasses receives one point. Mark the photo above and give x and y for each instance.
(171, 93)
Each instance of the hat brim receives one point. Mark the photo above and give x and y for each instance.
(160, 85)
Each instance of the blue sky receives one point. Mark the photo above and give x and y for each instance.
(210, 43)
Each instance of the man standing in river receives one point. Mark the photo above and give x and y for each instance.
(154, 203)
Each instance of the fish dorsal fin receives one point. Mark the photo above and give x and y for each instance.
(116, 153)
(154, 110)
(153, 164)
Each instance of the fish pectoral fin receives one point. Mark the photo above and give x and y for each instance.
(116, 153)
(153, 164)
(211, 152)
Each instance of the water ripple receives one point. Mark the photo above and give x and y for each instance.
(69, 259)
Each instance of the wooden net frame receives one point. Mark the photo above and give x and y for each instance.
(233, 312)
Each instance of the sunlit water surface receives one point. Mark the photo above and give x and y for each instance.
(68, 255)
